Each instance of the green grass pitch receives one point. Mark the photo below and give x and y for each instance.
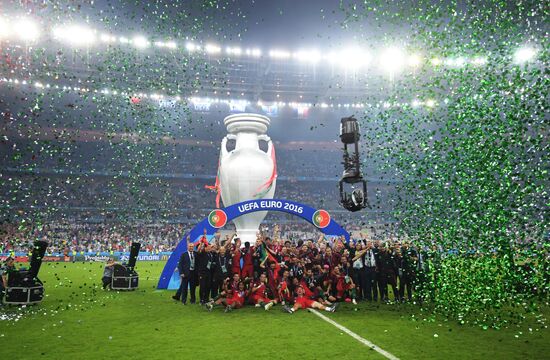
(79, 320)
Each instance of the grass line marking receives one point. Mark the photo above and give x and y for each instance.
(355, 336)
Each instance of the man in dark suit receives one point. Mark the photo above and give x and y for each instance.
(407, 275)
(369, 284)
(222, 270)
(387, 273)
(204, 264)
(188, 274)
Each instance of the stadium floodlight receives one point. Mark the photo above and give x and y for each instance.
(416, 103)
(524, 54)
(4, 28)
(312, 56)
(460, 61)
(191, 47)
(254, 52)
(350, 58)
(168, 44)
(392, 60)
(436, 61)
(26, 29)
(233, 51)
(455, 62)
(171, 44)
(75, 35)
(107, 38)
(414, 60)
(212, 49)
(140, 42)
(279, 54)
(479, 60)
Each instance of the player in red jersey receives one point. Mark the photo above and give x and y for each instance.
(345, 288)
(283, 289)
(232, 300)
(234, 285)
(248, 263)
(302, 302)
(236, 261)
(258, 293)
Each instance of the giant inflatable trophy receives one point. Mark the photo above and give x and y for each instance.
(246, 172)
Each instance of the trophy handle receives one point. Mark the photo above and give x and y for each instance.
(223, 152)
(269, 142)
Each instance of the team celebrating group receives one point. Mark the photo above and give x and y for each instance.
(299, 275)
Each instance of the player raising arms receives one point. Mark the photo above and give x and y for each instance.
(302, 302)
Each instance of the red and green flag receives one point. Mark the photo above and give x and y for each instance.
(264, 189)
(216, 187)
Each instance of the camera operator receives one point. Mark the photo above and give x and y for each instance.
(108, 273)
(9, 266)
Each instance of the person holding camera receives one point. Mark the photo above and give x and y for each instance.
(9, 266)
(108, 273)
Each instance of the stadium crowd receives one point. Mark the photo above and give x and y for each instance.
(71, 237)
(304, 274)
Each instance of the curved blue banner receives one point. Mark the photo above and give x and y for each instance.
(169, 278)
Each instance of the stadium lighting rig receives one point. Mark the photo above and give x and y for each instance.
(351, 58)
(254, 52)
(280, 54)
(25, 29)
(480, 60)
(524, 54)
(414, 60)
(191, 47)
(212, 49)
(392, 60)
(237, 51)
(140, 42)
(75, 35)
(309, 56)
(206, 102)
(4, 28)
(354, 58)
(436, 61)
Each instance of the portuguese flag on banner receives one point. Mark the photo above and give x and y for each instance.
(321, 219)
(217, 218)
